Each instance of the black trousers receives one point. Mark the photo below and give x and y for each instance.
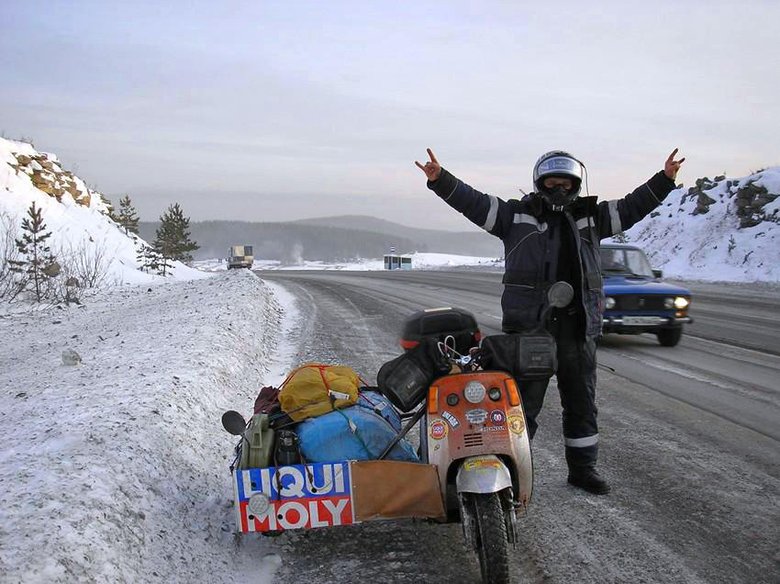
(576, 378)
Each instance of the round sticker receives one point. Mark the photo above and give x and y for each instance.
(497, 417)
(438, 430)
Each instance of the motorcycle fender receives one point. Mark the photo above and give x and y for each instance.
(482, 474)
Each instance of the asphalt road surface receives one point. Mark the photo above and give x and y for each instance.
(689, 442)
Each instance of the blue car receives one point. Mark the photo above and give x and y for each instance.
(637, 301)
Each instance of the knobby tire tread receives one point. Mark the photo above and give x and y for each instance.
(493, 544)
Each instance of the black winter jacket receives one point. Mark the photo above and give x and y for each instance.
(531, 250)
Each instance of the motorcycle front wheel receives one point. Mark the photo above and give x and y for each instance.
(492, 541)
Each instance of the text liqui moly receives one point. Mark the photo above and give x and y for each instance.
(294, 497)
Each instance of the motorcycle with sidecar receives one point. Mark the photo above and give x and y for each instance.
(475, 459)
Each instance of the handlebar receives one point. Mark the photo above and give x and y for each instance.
(468, 362)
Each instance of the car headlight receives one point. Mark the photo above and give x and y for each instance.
(609, 302)
(681, 302)
(668, 302)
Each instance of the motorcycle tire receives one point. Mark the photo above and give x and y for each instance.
(492, 538)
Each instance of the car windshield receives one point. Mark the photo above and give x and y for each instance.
(625, 261)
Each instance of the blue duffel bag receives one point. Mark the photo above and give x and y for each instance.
(359, 432)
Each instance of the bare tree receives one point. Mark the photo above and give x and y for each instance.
(9, 253)
(84, 266)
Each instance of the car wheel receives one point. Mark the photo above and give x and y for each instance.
(669, 337)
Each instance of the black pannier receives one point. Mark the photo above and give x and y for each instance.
(405, 379)
(439, 323)
(525, 356)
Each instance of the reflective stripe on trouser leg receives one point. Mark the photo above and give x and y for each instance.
(582, 442)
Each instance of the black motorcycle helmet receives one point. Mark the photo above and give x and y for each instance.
(558, 164)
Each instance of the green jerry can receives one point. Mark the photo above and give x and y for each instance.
(258, 446)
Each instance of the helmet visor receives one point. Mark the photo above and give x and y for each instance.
(561, 165)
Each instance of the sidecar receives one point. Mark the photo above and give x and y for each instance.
(340, 482)
(327, 494)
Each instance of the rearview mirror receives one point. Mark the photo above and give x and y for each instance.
(234, 422)
(658, 273)
(560, 294)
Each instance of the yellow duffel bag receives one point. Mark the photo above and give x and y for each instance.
(314, 389)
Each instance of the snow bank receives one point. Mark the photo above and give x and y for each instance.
(116, 469)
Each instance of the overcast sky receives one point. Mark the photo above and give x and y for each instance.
(272, 111)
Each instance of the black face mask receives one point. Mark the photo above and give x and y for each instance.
(557, 197)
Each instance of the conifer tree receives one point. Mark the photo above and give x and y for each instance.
(36, 264)
(127, 216)
(109, 208)
(146, 258)
(173, 236)
(160, 263)
(150, 260)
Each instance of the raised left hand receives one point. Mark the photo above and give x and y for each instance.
(672, 166)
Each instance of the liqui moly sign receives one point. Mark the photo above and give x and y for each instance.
(293, 497)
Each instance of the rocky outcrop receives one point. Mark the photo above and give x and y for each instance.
(697, 193)
(48, 176)
(750, 200)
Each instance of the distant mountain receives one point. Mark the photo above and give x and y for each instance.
(474, 243)
(338, 238)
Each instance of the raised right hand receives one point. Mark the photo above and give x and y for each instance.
(431, 169)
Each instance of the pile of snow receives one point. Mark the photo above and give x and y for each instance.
(711, 245)
(115, 469)
(78, 221)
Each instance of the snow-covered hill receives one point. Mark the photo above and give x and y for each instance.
(720, 229)
(75, 214)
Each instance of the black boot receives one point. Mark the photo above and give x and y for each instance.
(589, 480)
(582, 470)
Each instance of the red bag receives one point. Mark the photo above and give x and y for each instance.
(267, 400)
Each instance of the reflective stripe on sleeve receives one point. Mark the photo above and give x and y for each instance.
(583, 223)
(657, 200)
(455, 188)
(614, 217)
(582, 442)
(490, 222)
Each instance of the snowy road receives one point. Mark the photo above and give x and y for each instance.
(116, 469)
(689, 442)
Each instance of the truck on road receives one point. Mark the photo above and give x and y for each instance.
(240, 256)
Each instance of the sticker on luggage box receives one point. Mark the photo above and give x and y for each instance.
(293, 497)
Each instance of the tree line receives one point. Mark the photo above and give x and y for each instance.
(30, 269)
